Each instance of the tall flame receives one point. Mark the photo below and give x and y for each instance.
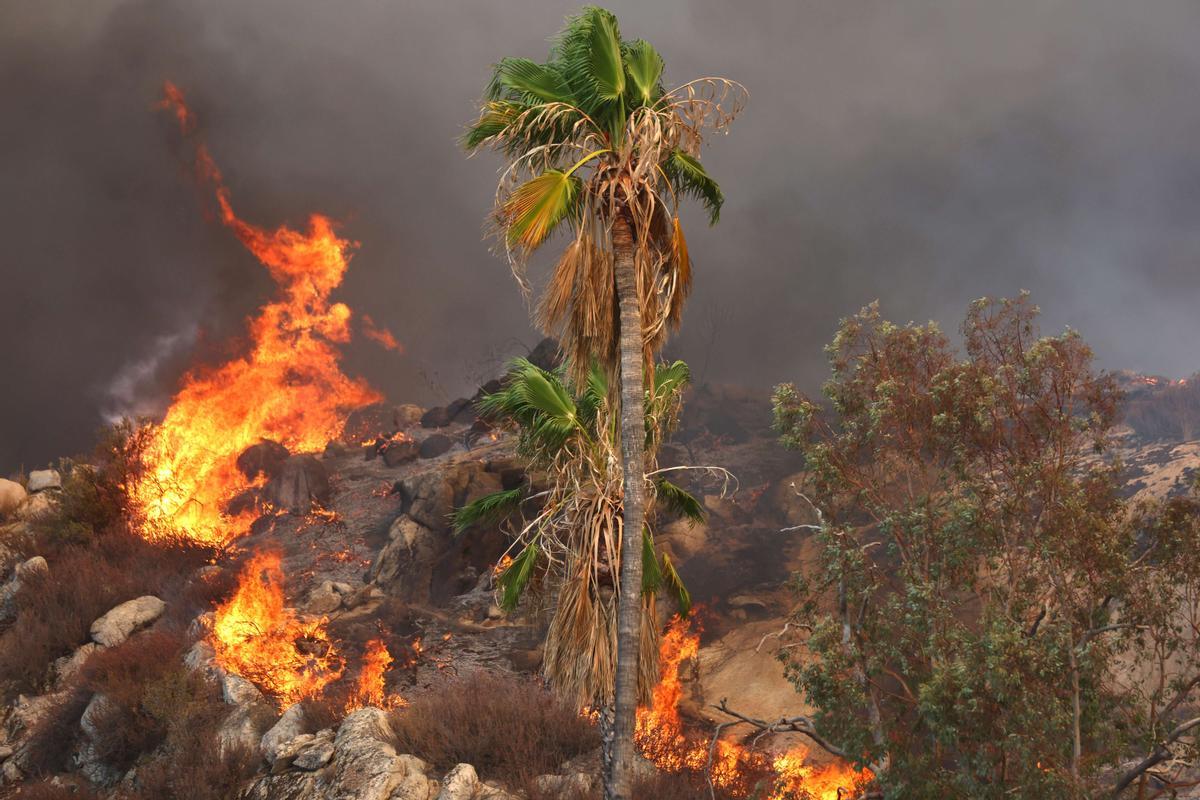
(371, 690)
(662, 738)
(288, 387)
(257, 637)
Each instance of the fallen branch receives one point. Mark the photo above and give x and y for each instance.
(802, 725)
(1160, 754)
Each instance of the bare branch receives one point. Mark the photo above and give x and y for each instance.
(1161, 753)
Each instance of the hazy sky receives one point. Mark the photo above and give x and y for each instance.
(922, 153)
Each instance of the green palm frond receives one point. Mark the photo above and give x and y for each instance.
(670, 379)
(644, 66)
(679, 501)
(652, 576)
(608, 70)
(675, 585)
(536, 207)
(487, 509)
(525, 78)
(690, 179)
(516, 577)
(545, 392)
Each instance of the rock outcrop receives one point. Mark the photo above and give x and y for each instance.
(132, 615)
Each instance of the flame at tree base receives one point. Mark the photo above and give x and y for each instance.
(663, 740)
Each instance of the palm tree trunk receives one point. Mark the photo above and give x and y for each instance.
(633, 442)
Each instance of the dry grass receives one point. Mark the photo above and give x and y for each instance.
(51, 740)
(511, 729)
(55, 611)
(45, 790)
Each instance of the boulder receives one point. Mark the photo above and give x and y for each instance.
(67, 667)
(460, 783)
(42, 479)
(406, 416)
(404, 566)
(435, 445)
(243, 729)
(579, 784)
(316, 753)
(265, 458)
(301, 483)
(546, 354)
(365, 424)
(237, 691)
(461, 411)
(436, 417)
(117, 625)
(37, 506)
(366, 766)
(289, 726)
(432, 496)
(326, 598)
(11, 588)
(400, 451)
(12, 495)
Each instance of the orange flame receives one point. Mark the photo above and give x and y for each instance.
(371, 690)
(662, 738)
(288, 387)
(257, 637)
(380, 335)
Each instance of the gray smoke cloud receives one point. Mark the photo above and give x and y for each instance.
(923, 153)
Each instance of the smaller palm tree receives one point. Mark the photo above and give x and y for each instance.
(570, 543)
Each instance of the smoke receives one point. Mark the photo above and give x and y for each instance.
(922, 153)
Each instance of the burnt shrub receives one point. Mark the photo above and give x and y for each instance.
(52, 738)
(144, 685)
(191, 764)
(510, 728)
(56, 610)
(47, 790)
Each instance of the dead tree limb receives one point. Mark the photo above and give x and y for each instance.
(1160, 754)
(802, 725)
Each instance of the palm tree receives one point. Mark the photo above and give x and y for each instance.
(568, 537)
(595, 144)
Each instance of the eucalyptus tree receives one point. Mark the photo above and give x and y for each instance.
(598, 147)
(567, 536)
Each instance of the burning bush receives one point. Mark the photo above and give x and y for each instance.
(510, 728)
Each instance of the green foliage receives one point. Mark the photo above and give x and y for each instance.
(516, 576)
(488, 509)
(679, 501)
(692, 180)
(978, 562)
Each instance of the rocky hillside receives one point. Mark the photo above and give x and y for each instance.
(369, 564)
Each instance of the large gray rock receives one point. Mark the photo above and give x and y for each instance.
(243, 729)
(117, 625)
(302, 482)
(37, 506)
(42, 479)
(407, 416)
(265, 458)
(432, 496)
(237, 691)
(366, 766)
(460, 783)
(404, 566)
(323, 599)
(289, 726)
(9, 591)
(12, 495)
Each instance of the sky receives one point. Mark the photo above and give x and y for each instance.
(919, 153)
